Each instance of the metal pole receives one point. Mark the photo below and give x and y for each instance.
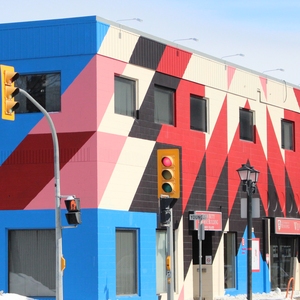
(249, 238)
(170, 280)
(200, 259)
(58, 228)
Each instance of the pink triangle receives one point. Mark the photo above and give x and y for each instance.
(230, 74)
(263, 82)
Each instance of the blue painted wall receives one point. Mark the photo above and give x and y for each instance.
(260, 280)
(89, 250)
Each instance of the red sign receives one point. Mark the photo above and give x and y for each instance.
(287, 226)
(212, 220)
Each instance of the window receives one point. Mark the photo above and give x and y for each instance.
(32, 262)
(126, 262)
(44, 88)
(287, 135)
(161, 251)
(229, 259)
(246, 125)
(163, 106)
(125, 96)
(198, 115)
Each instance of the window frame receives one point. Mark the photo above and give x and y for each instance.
(161, 256)
(247, 125)
(287, 138)
(130, 109)
(203, 113)
(31, 256)
(46, 98)
(136, 262)
(159, 117)
(232, 256)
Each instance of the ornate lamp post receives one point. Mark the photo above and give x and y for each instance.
(249, 177)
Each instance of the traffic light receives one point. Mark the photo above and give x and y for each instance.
(168, 173)
(8, 92)
(165, 206)
(73, 206)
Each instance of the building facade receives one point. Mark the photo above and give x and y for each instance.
(116, 96)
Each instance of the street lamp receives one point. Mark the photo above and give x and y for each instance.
(249, 178)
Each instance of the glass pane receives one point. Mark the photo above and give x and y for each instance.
(229, 260)
(44, 88)
(287, 135)
(32, 262)
(163, 106)
(283, 256)
(161, 250)
(126, 262)
(198, 114)
(124, 96)
(246, 125)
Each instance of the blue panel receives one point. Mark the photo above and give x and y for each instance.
(65, 46)
(146, 223)
(38, 219)
(260, 280)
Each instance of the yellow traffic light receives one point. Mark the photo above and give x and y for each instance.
(8, 92)
(168, 173)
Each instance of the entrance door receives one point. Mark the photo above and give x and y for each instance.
(283, 252)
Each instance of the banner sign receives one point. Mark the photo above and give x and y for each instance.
(287, 226)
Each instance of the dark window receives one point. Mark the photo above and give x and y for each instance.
(198, 113)
(125, 96)
(287, 135)
(32, 262)
(163, 106)
(44, 88)
(229, 259)
(126, 262)
(246, 125)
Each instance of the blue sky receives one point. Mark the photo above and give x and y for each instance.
(267, 32)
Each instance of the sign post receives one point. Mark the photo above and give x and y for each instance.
(201, 237)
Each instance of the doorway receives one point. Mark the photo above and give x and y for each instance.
(283, 255)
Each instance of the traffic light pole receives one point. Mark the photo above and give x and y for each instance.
(170, 274)
(58, 227)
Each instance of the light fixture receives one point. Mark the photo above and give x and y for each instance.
(187, 39)
(133, 19)
(238, 54)
(282, 70)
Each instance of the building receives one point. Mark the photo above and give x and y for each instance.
(116, 96)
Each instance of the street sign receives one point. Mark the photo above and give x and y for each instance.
(197, 217)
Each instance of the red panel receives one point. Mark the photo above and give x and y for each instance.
(192, 142)
(276, 164)
(240, 153)
(297, 94)
(174, 62)
(292, 161)
(30, 167)
(216, 153)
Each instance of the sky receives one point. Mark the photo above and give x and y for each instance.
(266, 32)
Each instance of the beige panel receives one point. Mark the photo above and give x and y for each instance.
(281, 95)
(245, 84)
(118, 43)
(215, 100)
(133, 160)
(207, 72)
